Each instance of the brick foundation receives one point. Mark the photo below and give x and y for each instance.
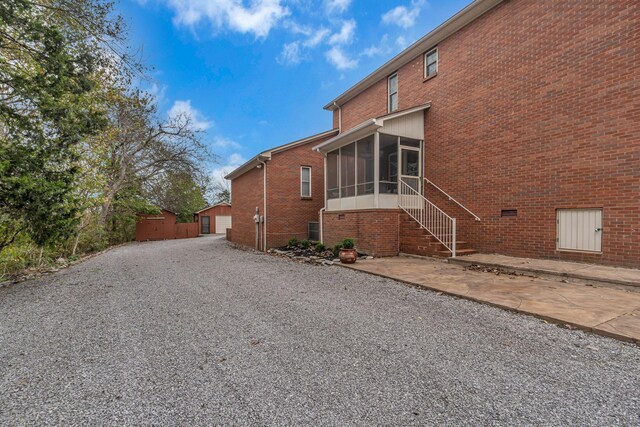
(374, 231)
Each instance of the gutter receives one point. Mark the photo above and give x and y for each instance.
(339, 116)
(264, 208)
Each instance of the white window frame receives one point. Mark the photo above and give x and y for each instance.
(435, 49)
(390, 107)
(301, 182)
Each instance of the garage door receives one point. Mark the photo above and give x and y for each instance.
(580, 229)
(222, 223)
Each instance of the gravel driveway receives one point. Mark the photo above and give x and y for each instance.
(194, 332)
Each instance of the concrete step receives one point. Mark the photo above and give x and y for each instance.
(459, 252)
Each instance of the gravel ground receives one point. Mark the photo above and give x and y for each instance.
(194, 332)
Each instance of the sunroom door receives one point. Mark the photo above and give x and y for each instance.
(410, 167)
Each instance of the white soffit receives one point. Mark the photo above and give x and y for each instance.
(409, 123)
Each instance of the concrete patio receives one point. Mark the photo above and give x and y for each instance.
(601, 309)
(576, 270)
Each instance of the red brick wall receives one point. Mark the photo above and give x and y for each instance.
(375, 232)
(288, 214)
(536, 107)
(246, 195)
(212, 212)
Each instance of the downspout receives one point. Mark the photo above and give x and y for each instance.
(339, 116)
(324, 208)
(264, 202)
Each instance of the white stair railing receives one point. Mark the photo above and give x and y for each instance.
(429, 216)
(427, 181)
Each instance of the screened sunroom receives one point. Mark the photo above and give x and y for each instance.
(364, 166)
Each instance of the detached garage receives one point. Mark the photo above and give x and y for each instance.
(214, 219)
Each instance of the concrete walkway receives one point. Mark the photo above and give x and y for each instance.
(600, 309)
(592, 272)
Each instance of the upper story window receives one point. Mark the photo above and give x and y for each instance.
(393, 92)
(431, 63)
(305, 181)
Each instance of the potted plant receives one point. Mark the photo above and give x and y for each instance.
(348, 254)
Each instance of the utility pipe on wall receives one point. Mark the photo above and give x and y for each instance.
(264, 208)
(339, 116)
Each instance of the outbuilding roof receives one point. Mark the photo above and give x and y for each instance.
(214, 205)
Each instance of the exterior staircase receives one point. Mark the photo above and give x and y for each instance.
(415, 240)
(425, 228)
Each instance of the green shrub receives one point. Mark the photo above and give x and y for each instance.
(347, 243)
(320, 247)
(336, 249)
(293, 241)
(305, 244)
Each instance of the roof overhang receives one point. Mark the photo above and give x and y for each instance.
(458, 21)
(266, 155)
(365, 128)
(250, 164)
(213, 206)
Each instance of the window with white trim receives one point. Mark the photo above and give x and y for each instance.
(305, 181)
(393, 92)
(431, 63)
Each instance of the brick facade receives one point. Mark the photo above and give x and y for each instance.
(212, 212)
(375, 231)
(288, 214)
(536, 107)
(246, 195)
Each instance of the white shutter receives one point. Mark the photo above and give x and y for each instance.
(580, 229)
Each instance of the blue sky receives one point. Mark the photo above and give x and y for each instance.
(256, 73)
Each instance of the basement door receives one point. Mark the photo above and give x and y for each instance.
(205, 225)
(579, 230)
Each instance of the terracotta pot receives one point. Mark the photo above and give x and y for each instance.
(348, 256)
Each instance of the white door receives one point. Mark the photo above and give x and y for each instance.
(580, 230)
(222, 223)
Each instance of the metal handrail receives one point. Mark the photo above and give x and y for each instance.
(428, 215)
(452, 199)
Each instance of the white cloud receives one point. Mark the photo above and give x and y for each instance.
(182, 110)
(217, 174)
(290, 54)
(222, 142)
(236, 159)
(381, 48)
(345, 36)
(258, 18)
(401, 42)
(158, 92)
(403, 16)
(317, 37)
(340, 60)
(336, 6)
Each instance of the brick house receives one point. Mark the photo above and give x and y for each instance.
(515, 123)
(284, 187)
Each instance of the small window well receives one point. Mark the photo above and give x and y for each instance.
(509, 212)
